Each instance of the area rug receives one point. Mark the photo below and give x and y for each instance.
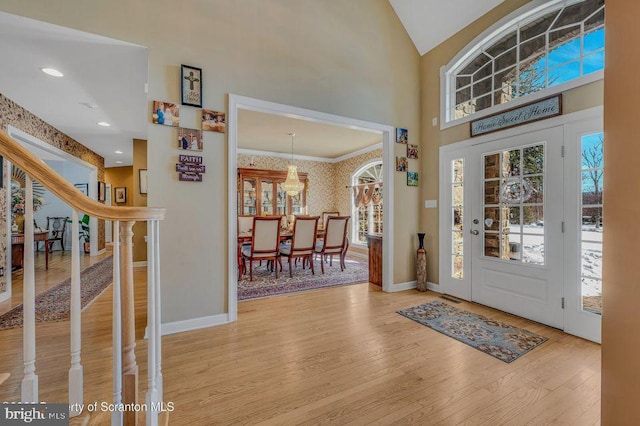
(54, 304)
(492, 337)
(264, 282)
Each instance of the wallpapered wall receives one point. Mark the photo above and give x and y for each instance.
(12, 114)
(327, 181)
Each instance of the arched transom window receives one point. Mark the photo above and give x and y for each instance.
(549, 46)
(367, 200)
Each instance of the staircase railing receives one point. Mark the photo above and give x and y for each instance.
(125, 368)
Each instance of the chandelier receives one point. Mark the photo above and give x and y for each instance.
(292, 185)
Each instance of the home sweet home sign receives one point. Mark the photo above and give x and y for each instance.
(539, 110)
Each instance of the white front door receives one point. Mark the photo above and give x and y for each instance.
(517, 225)
(521, 223)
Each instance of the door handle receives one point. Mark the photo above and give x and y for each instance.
(475, 232)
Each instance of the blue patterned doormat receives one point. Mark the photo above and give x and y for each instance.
(492, 337)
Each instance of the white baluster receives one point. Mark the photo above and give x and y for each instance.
(152, 392)
(76, 370)
(116, 415)
(30, 380)
(158, 311)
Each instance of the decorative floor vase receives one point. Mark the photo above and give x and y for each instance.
(421, 265)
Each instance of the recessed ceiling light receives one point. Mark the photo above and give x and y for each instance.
(118, 152)
(104, 124)
(52, 72)
(118, 162)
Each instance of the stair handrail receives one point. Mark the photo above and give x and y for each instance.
(21, 157)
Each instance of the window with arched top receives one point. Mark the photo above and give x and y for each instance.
(540, 49)
(366, 201)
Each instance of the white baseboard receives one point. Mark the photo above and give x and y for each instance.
(409, 285)
(5, 295)
(194, 324)
(434, 287)
(140, 264)
(101, 251)
(403, 286)
(363, 256)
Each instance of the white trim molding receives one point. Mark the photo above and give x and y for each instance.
(386, 131)
(410, 285)
(140, 264)
(194, 324)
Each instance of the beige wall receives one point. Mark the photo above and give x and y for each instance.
(433, 138)
(12, 114)
(320, 174)
(347, 58)
(621, 292)
(120, 177)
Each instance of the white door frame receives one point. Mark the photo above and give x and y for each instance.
(568, 121)
(577, 321)
(29, 141)
(237, 102)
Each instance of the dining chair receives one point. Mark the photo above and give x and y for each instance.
(56, 227)
(303, 241)
(265, 242)
(245, 224)
(335, 240)
(326, 216)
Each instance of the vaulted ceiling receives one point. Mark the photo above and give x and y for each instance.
(430, 22)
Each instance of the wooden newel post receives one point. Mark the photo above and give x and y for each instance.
(129, 366)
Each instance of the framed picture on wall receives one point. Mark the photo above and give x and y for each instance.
(189, 139)
(214, 121)
(120, 194)
(142, 177)
(83, 187)
(191, 80)
(166, 113)
(102, 189)
(402, 135)
(412, 178)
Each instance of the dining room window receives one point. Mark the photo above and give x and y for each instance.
(367, 201)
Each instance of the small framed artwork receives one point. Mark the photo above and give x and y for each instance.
(214, 121)
(401, 164)
(142, 181)
(402, 135)
(191, 78)
(412, 151)
(82, 187)
(189, 139)
(102, 189)
(166, 113)
(412, 178)
(120, 194)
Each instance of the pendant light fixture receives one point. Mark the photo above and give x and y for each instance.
(292, 185)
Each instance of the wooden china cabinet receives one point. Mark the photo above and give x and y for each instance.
(260, 193)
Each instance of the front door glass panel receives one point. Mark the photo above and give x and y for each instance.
(513, 223)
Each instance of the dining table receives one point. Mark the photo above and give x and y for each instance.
(17, 248)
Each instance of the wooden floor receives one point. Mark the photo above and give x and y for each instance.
(336, 356)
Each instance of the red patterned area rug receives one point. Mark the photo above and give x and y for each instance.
(495, 338)
(264, 282)
(54, 304)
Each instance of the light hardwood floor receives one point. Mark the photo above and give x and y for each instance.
(336, 356)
